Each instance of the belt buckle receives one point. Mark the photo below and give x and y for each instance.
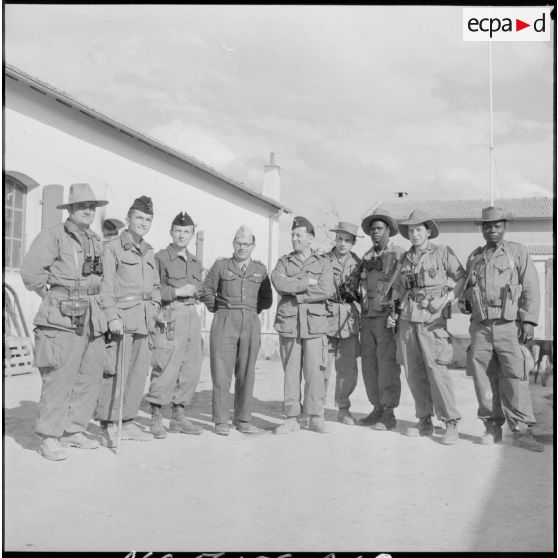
(73, 293)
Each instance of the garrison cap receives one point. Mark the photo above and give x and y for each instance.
(303, 222)
(243, 231)
(143, 204)
(183, 220)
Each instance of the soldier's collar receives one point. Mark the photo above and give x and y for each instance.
(128, 243)
(71, 227)
(173, 253)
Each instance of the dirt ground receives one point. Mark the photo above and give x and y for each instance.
(354, 489)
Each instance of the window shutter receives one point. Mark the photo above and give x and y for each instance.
(53, 195)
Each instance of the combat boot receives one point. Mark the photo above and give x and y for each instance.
(387, 422)
(526, 441)
(423, 428)
(344, 416)
(450, 436)
(492, 435)
(51, 449)
(179, 422)
(373, 417)
(290, 425)
(317, 424)
(156, 425)
(78, 440)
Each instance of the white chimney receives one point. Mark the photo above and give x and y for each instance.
(271, 180)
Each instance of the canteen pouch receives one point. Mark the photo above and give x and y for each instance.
(510, 302)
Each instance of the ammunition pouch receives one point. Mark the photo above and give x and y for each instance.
(478, 312)
(75, 309)
(510, 301)
(165, 322)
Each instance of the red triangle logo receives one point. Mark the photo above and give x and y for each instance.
(519, 25)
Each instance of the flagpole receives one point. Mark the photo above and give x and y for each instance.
(491, 116)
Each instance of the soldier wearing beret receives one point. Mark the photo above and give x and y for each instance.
(425, 291)
(64, 267)
(236, 290)
(343, 345)
(502, 297)
(131, 298)
(177, 345)
(304, 279)
(380, 370)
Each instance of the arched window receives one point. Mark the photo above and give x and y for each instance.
(14, 222)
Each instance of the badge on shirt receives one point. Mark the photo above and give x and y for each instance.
(432, 272)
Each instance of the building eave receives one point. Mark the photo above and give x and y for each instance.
(71, 103)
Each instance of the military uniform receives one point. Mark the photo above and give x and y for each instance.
(71, 364)
(302, 321)
(343, 345)
(130, 292)
(177, 344)
(380, 370)
(502, 291)
(236, 296)
(423, 338)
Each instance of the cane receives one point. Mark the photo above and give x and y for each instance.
(121, 390)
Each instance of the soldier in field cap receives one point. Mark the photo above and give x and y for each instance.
(64, 267)
(304, 279)
(502, 297)
(177, 344)
(236, 290)
(342, 338)
(131, 298)
(380, 370)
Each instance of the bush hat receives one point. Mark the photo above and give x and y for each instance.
(81, 193)
(418, 217)
(385, 217)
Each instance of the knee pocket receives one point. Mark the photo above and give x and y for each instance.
(444, 347)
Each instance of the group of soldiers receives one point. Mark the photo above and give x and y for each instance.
(112, 310)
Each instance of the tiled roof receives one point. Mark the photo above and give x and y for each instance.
(72, 103)
(540, 249)
(465, 210)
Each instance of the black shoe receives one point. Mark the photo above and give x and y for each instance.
(373, 417)
(493, 434)
(423, 428)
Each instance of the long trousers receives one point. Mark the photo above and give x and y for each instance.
(136, 367)
(234, 343)
(426, 350)
(303, 357)
(495, 362)
(342, 354)
(71, 381)
(380, 371)
(176, 364)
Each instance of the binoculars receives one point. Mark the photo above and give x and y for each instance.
(348, 292)
(414, 280)
(374, 263)
(92, 264)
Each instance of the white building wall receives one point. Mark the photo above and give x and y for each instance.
(56, 145)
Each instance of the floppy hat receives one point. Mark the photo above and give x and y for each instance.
(418, 217)
(385, 217)
(346, 227)
(81, 193)
(493, 213)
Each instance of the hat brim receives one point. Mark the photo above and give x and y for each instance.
(481, 221)
(389, 221)
(347, 232)
(431, 225)
(98, 203)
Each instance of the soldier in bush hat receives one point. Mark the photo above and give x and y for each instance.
(236, 290)
(380, 370)
(177, 345)
(131, 297)
(502, 297)
(304, 280)
(64, 267)
(424, 290)
(343, 345)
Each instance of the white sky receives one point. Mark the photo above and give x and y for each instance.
(356, 102)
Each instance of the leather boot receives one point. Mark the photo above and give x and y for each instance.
(373, 417)
(156, 426)
(179, 422)
(526, 441)
(387, 422)
(492, 435)
(450, 435)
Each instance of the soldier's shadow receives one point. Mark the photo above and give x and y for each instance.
(199, 411)
(19, 424)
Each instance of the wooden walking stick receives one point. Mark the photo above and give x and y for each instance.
(122, 360)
